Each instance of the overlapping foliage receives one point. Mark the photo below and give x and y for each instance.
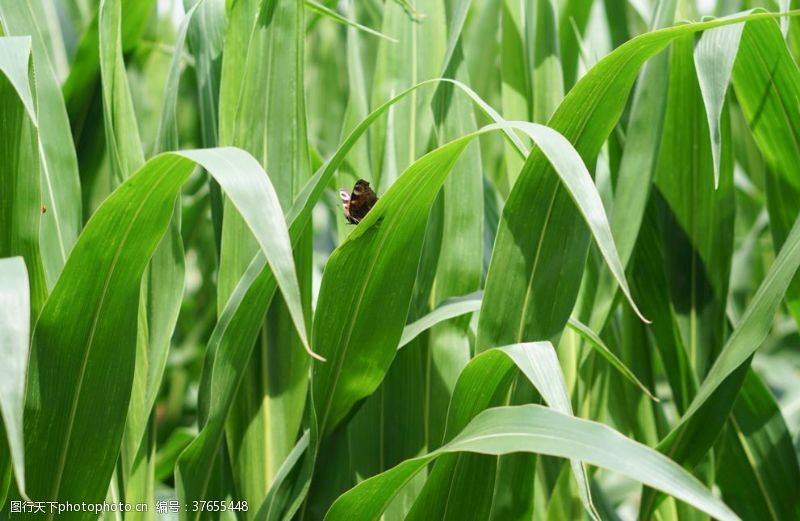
(575, 298)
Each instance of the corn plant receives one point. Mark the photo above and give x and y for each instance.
(419, 259)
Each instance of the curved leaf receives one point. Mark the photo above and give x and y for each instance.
(596, 342)
(457, 306)
(378, 246)
(766, 79)
(450, 308)
(386, 245)
(714, 55)
(753, 329)
(553, 239)
(85, 348)
(333, 15)
(229, 346)
(231, 343)
(533, 428)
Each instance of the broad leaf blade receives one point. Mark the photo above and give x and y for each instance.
(532, 428)
(96, 355)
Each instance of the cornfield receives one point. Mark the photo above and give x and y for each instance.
(399, 259)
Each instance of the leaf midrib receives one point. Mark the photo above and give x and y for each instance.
(604, 87)
(394, 223)
(90, 342)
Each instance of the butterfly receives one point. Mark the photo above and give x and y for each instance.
(358, 203)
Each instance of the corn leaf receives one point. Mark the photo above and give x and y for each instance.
(61, 224)
(538, 429)
(96, 356)
(15, 324)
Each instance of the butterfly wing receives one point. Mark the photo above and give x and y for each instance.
(362, 199)
(345, 196)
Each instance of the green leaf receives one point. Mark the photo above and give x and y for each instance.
(360, 357)
(62, 222)
(161, 294)
(555, 237)
(229, 350)
(206, 38)
(516, 88)
(95, 359)
(269, 508)
(350, 295)
(538, 362)
(697, 429)
(533, 428)
(417, 56)
(330, 13)
(231, 343)
(192, 329)
(636, 168)
(23, 295)
(15, 323)
(651, 289)
(262, 110)
(597, 343)
(447, 309)
(456, 266)
(572, 24)
(766, 80)
(169, 451)
(714, 55)
(746, 337)
(167, 136)
(21, 198)
(696, 217)
(756, 458)
(457, 306)
(122, 132)
(457, 17)
(84, 74)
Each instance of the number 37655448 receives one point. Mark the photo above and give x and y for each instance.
(219, 506)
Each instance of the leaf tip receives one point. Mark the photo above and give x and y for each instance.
(639, 313)
(314, 355)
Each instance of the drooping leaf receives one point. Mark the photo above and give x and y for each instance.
(597, 342)
(450, 308)
(535, 428)
(361, 302)
(556, 236)
(262, 110)
(636, 166)
(95, 356)
(714, 56)
(231, 343)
